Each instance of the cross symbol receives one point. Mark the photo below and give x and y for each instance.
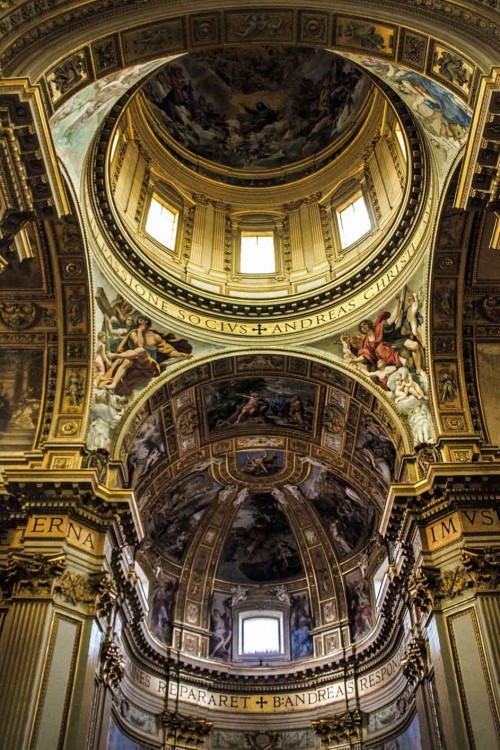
(261, 702)
(259, 328)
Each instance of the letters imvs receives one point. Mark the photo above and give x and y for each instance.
(453, 525)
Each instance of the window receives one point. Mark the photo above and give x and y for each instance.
(354, 221)
(401, 140)
(261, 634)
(114, 144)
(161, 223)
(257, 253)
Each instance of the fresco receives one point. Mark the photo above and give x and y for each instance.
(161, 609)
(347, 517)
(75, 123)
(171, 522)
(119, 741)
(301, 642)
(409, 740)
(361, 614)
(20, 395)
(146, 450)
(444, 117)
(257, 107)
(260, 401)
(222, 626)
(131, 351)
(259, 545)
(260, 463)
(375, 448)
(389, 348)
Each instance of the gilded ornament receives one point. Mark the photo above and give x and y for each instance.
(75, 589)
(68, 428)
(341, 729)
(32, 575)
(112, 664)
(19, 315)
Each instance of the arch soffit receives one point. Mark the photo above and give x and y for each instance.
(322, 372)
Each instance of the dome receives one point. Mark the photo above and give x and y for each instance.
(274, 188)
(234, 112)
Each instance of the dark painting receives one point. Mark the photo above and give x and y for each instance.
(260, 401)
(257, 107)
(375, 448)
(161, 609)
(260, 463)
(346, 515)
(260, 545)
(146, 450)
(172, 521)
(21, 382)
(221, 617)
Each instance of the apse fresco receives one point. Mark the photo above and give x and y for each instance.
(347, 517)
(20, 273)
(444, 117)
(260, 545)
(260, 463)
(359, 597)
(247, 402)
(375, 448)
(257, 107)
(389, 348)
(146, 451)
(131, 351)
(161, 609)
(221, 616)
(172, 521)
(301, 642)
(21, 383)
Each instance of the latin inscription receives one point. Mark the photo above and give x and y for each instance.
(266, 328)
(269, 702)
(452, 527)
(61, 527)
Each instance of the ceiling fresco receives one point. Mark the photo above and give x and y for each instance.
(248, 402)
(253, 108)
(389, 347)
(347, 516)
(260, 546)
(131, 351)
(21, 390)
(174, 516)
(444, 117)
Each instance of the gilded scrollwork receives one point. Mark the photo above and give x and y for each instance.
(340, 729)
(477, 571)
(185, 732)
(414, 660)
(75, 589)
(32, 575)
(112, 664)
